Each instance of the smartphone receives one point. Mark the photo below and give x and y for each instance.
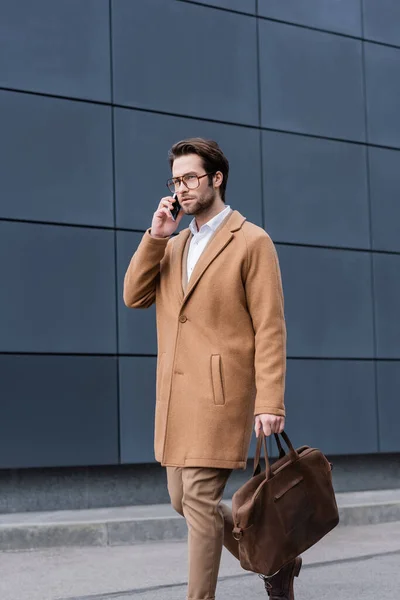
(176, 208)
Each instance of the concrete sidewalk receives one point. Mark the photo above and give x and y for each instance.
(350, 562)
(140, 524)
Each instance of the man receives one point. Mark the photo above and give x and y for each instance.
(221, 351)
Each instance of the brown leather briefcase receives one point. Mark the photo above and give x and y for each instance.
(282, 511)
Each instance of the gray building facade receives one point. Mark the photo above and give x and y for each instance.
(304, 98)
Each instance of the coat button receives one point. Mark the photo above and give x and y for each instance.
(183, 319)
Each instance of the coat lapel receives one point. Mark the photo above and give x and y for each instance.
(216, 245)
(184, 263)
(178, 251)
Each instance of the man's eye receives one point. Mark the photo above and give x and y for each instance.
(190, 177)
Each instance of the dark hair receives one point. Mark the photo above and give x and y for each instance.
(213, 158)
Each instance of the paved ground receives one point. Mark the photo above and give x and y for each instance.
(139, 524)
(351, 563)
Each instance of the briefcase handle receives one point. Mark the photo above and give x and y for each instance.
(293, 455)
(282, 453)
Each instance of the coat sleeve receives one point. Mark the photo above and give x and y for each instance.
(264, 296)
(140, 280)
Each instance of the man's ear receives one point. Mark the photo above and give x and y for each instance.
(218, 179)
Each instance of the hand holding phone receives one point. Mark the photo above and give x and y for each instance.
(167, 217)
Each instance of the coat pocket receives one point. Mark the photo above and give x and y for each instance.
(160, 377)
(217, 379)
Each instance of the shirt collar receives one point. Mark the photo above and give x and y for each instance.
(212, 224)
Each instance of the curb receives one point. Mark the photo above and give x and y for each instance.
(130, 525)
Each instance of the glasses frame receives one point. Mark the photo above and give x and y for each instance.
(172, 179)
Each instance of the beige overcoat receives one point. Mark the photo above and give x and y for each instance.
(221, 342)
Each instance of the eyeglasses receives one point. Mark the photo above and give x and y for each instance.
(191, 182)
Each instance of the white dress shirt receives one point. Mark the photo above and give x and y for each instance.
(201, 238)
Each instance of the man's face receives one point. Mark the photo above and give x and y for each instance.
(196, 201)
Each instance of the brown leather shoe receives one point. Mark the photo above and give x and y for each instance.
(280, 586)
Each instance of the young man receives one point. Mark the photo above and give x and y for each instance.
(221, 351)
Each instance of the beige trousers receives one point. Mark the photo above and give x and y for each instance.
(196, 494)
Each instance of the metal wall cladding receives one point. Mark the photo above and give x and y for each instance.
(58, 411)
(173, 57)
(302, 98)
(137, 387)
(57, 160)
(342, 16)
(381, 21)
(387, 302)
(58, 294)
(382, 66)
(311, 82)
(61, 49)
(384, 173)
(315, 191)
(328, 306)
(332, 405)
(388, 378)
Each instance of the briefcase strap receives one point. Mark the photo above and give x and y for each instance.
(257, 456)
(262, 442)
(278, 443)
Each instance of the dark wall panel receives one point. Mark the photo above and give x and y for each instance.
(334, 15)
(62, 149)
(382, 21)
(58, 291)
(142, 169)
(328, 302)
(387, 303)
(382, 68)
(388, 374)
(384, 173)
(175, 76)
(311, 82)
(247, 6)
(58, 411)
(58, 47)
(315, 191)
(181, 69)
(331, 405)
(136, 327)
(137, 377)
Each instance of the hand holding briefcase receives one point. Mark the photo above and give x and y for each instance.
(282, 511)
